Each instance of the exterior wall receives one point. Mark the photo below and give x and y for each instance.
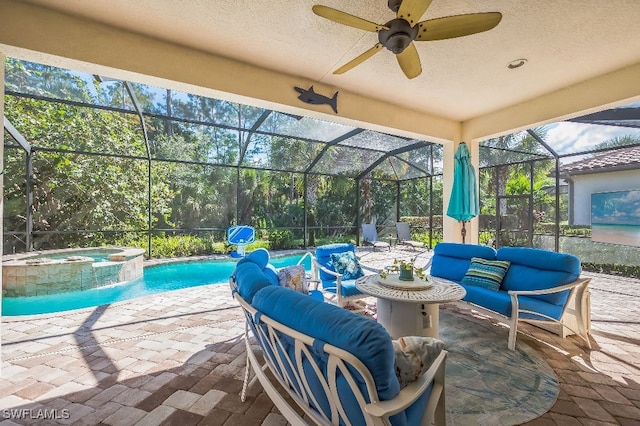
(585, 185)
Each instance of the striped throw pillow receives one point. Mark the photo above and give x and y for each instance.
(486, 273)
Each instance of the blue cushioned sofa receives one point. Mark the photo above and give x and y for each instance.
(540, 286)
(337, 366)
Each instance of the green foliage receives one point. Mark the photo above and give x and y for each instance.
(167, 246)
(632, 271)
(76, 191)
(281, 239)
(565, 230)
(176, 245)
(179, 246)
(486, 238)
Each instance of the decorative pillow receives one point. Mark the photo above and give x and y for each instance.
(294, 278)
(347, 265)
(486, 273)
(414, 355)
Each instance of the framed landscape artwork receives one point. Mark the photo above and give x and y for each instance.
(615, 217)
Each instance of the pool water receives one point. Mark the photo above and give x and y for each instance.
(156, 279)
(97, 256)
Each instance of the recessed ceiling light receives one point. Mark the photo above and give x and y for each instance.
(516, 64)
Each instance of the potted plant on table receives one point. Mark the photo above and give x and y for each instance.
(405, 268)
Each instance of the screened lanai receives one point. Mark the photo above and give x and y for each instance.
(92, 159)
(213, 156)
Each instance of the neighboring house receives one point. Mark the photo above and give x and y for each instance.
(616, 170)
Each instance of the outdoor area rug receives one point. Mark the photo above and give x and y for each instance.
(486, 383)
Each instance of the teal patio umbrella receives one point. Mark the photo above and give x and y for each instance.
(464, 204)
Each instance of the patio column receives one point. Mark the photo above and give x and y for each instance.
(450, 227)
(2, 59)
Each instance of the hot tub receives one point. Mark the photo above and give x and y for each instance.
(59, 271)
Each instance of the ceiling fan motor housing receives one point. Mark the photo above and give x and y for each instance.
(399, 35)
(394, 5)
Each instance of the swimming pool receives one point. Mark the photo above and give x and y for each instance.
(156, 279)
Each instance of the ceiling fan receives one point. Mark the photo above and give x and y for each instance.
(398, 34)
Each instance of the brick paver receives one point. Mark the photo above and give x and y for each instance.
(178, 358)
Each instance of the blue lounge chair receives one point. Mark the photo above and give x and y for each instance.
(335, 287)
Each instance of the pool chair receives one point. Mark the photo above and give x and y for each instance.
(370, 237)
(336, 267)
(240, 236)
(404, 236)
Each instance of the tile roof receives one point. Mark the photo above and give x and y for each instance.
(625, 158)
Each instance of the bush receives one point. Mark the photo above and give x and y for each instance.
(177, 245)
(280, 239)
(631, 271)
(487, 238)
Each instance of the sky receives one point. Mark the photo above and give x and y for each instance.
(566, 137)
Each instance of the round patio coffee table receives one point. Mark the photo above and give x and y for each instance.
(405, 311)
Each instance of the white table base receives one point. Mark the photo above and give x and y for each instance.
(408, 318)
(404, 312)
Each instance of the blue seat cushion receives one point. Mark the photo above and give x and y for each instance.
(347, 287)
(365, 339)
(452, 260)
(497, 301)
(415, 411)
(323, 257)
(536, 269)
(316, 294)
(500, 302)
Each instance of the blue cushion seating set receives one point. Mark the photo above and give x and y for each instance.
(519, 284)
(337, 366)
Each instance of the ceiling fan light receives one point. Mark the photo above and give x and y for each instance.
(516, 64)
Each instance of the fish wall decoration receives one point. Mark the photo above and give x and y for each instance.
(309, 96)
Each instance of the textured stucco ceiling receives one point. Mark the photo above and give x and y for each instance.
(565, 42)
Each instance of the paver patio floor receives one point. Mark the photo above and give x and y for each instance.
(178, 358)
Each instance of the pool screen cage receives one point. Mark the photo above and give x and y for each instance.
(91, 160)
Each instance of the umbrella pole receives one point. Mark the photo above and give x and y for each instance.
(463, 231)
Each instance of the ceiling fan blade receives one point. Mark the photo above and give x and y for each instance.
(346, 19)
(457, 26)
(359, 59)
(412, 10)
(410, 61)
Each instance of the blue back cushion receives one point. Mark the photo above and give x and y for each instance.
(451, 260)
(261, 258)
(536, 269)
(250, 279)
(323, 256)
(362, 337)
